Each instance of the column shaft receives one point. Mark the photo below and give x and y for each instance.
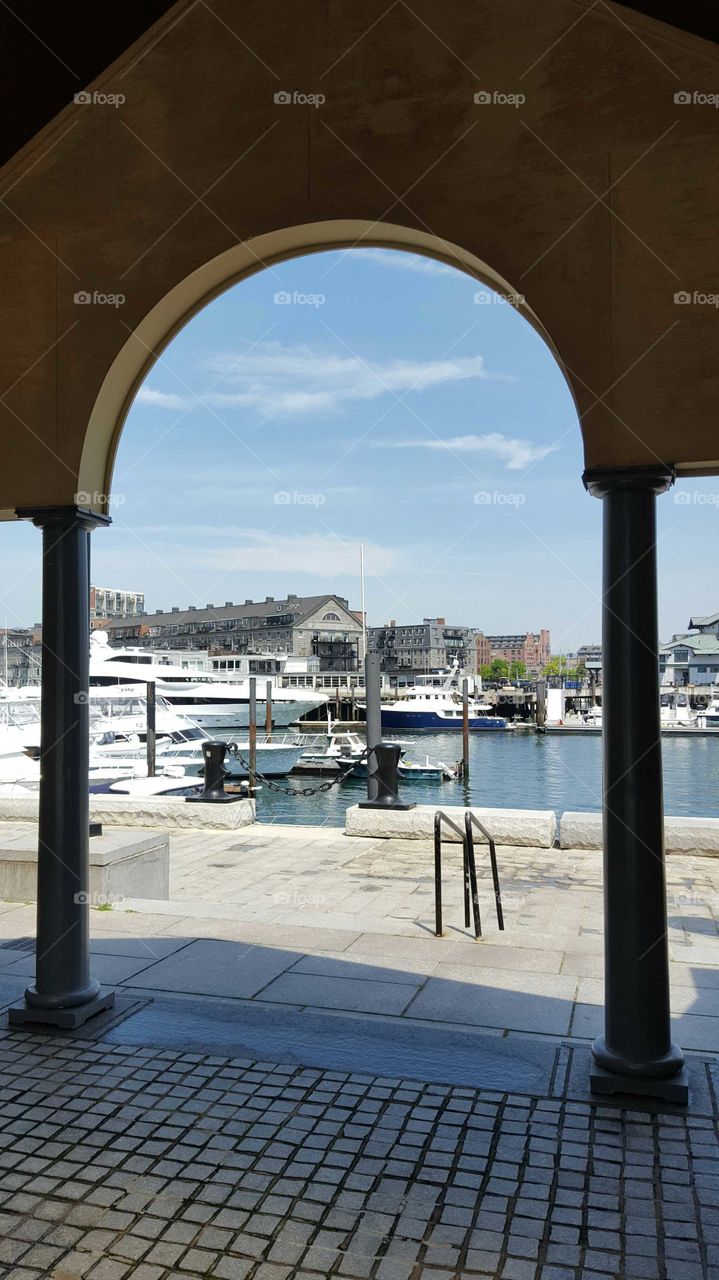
(636, 1048)
(64, 992)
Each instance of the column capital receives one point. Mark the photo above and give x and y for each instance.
(67, 516)
(605, 480)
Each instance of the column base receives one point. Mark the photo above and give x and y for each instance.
(213, 799)
(669, 1088)
(68, 1019)
(390, 808)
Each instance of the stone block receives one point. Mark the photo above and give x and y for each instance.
(681, 835)
(531, 828)
(169, 813)
(123, 864)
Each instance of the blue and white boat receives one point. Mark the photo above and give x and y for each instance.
(427, 707)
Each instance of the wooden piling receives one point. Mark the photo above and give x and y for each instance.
(268, 711)
(253, 732)
(151, 736)
(465, 728)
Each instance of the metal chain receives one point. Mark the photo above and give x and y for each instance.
(294, 791)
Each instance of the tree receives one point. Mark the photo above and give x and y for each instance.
(517, 670)
(558, 667)
(497, 669)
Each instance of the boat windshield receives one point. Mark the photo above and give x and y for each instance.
(19, 713)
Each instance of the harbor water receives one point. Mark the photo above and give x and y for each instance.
(513, 771)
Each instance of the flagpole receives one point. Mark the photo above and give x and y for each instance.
(362, 602)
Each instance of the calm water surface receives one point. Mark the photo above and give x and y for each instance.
(516, 771)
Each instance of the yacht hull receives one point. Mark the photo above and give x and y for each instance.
(431, 721)
(227, 716)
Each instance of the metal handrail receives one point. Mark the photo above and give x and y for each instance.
(469, 818)
(469, 875)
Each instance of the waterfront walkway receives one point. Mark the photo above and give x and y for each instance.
(306, 917)
(299, 1080)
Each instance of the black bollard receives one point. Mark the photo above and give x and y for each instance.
(384, 775)
(215, 774)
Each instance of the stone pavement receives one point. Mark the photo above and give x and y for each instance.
(300, 1081)
(121, 1162)
(306, 918)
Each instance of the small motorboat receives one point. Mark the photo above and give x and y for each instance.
(175, 783)
(343, 752)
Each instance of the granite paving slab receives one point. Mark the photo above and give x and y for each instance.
(498, 998)
(328, 992)
(108, 969)
(217, 968)
(332, 1040)
(341, 965)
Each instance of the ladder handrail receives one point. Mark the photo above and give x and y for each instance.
(469, 874)
(440, 817)
(469, 819)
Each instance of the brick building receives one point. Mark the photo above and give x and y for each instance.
(533, 649)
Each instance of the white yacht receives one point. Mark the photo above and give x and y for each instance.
(675, 711)
(117, 714)
(709, 718)
(118, 742)
(113, 765)
(434, 703)
(19, 742)
(213, 704)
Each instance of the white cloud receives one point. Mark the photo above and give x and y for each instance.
(164, 400)
(516, 454)
(258, 551)
(283, 381)
(406, 262)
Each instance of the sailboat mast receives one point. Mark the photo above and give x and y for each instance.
(362, 602)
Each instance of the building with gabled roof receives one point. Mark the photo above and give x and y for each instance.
(692, 657)
(321, 626)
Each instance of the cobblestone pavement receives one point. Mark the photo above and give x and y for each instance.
(123, 1162)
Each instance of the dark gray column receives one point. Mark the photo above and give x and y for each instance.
(64, 993)
(635, 1054)
(373, 719)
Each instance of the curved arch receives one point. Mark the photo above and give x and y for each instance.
(142, 348)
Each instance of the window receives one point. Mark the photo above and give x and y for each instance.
(331, 617)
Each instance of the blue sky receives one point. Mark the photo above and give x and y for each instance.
(368, 396)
